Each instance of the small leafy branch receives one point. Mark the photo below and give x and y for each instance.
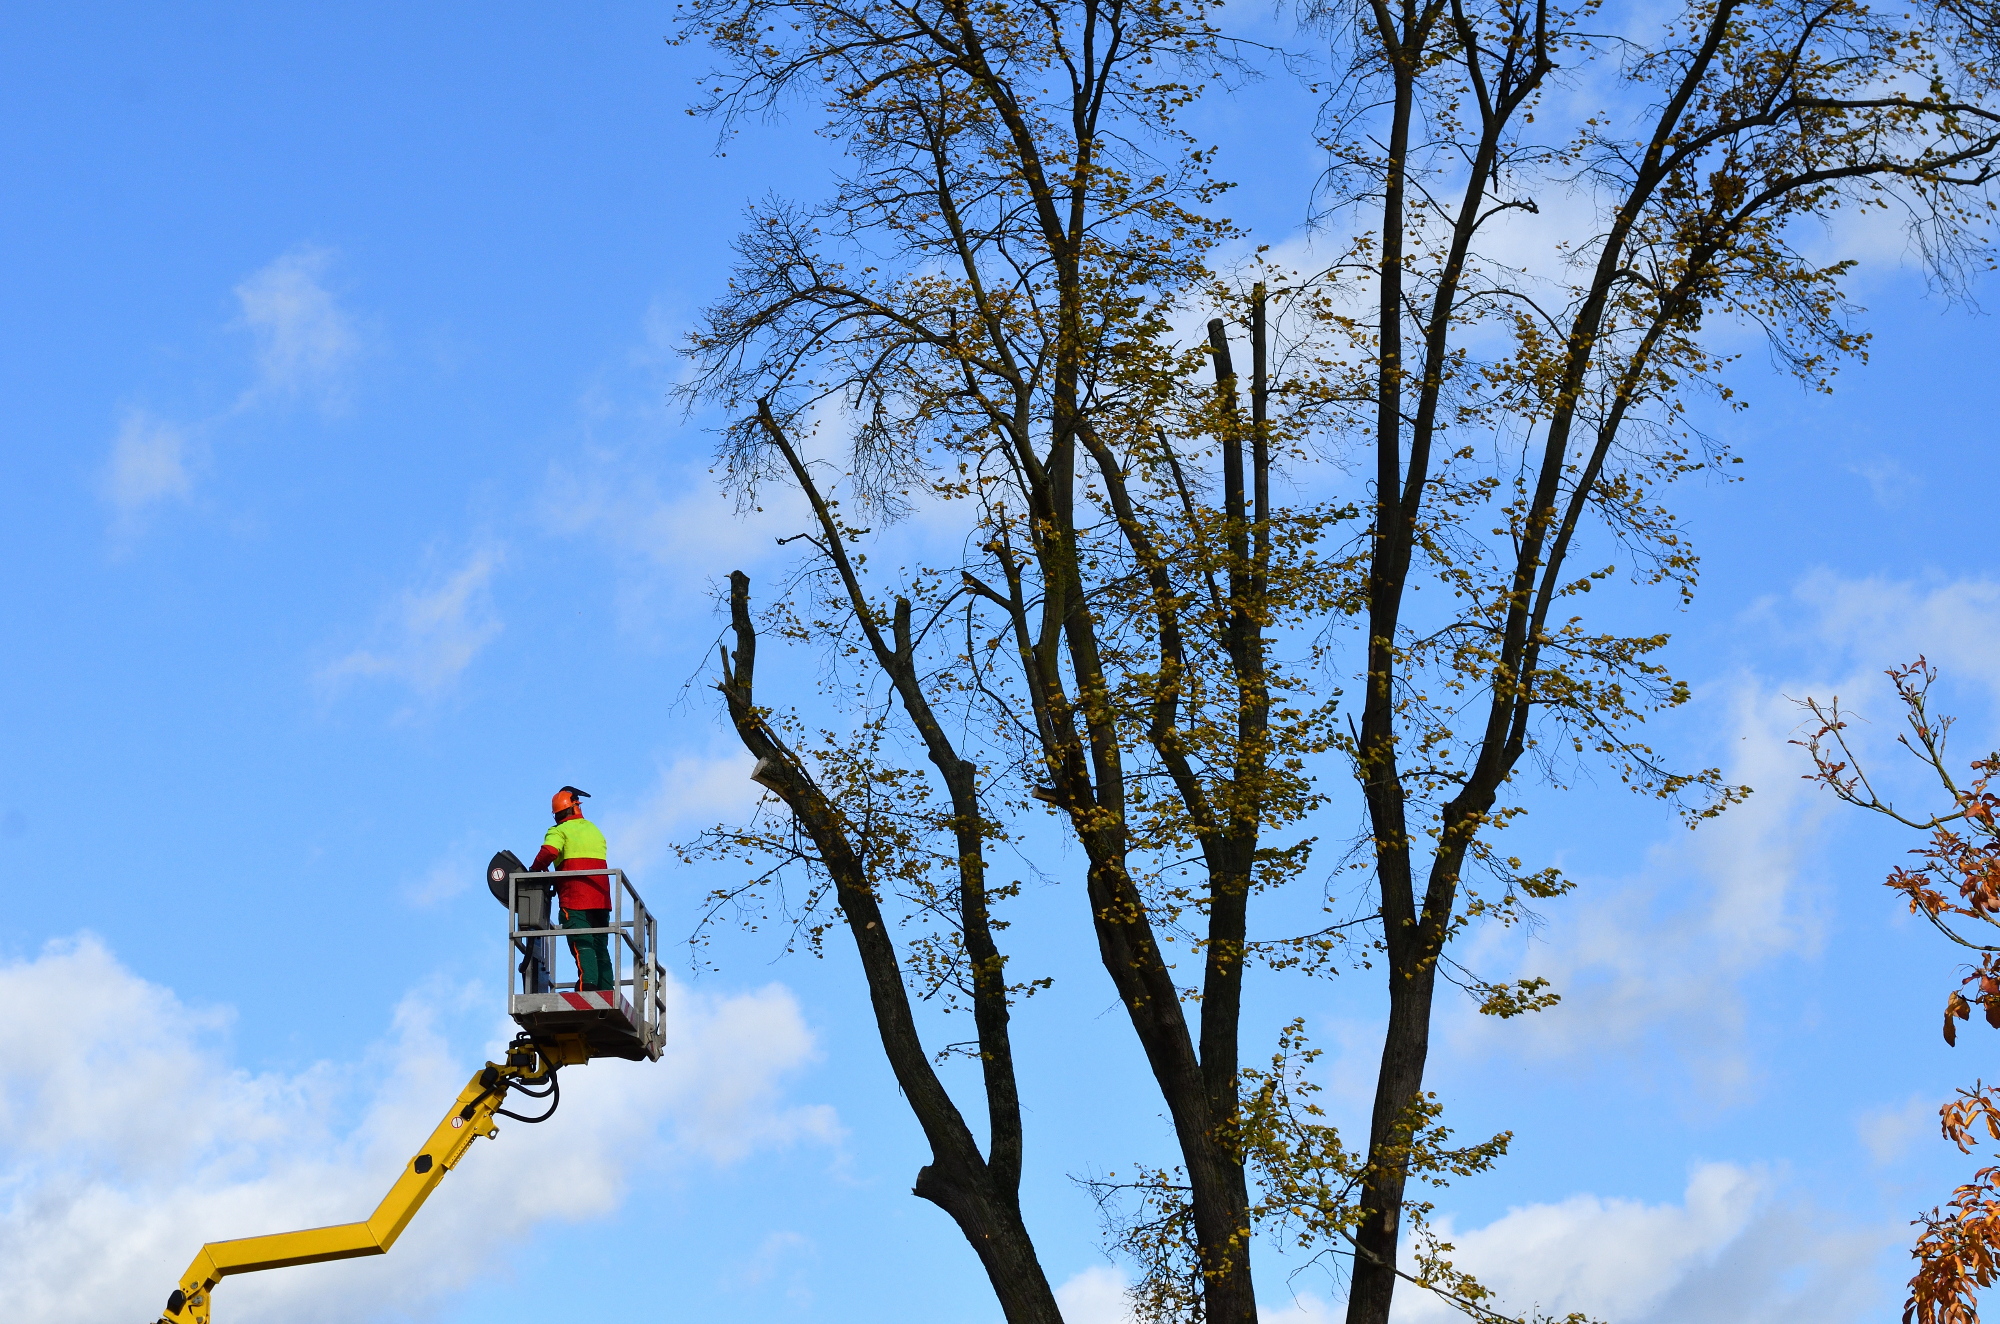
(1308, 1189)
(1955, 885)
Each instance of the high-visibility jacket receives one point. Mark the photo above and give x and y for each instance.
(575, 843)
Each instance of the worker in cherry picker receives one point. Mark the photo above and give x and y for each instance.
(575, 843)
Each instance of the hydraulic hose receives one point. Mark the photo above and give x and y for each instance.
(553, 1094)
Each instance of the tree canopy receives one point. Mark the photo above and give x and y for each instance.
(1173, 616)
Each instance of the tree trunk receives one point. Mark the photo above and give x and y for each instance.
(1404, 1051)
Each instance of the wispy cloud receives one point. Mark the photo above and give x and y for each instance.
(783, 1260)
(692, 792)
(670, 539)
(1662, 956)
(1889, 1132)
(637, 481)
(1667, 952)
(1728, 1252)
(430, 634)
(1875, 622)
(305, 340)
(305, 346)
(127, 1137)
(1731, 1251)
(455, 872)
(1892, 485)
(150, 463)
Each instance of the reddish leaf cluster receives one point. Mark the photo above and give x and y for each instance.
(1958, 1251)
(1956, 883)
(1957, 1006)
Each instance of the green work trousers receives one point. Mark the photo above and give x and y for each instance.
(592, 951)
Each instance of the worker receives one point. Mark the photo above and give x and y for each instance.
(575, 843)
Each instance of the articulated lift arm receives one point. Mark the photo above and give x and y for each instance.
(470, 1117)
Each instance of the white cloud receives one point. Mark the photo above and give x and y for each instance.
(1727, 1252)
(1608, 1256)
(1095, 1296)
(638, 481)
(450, 876)
(1667, 951)
(1870, 624)
(781, 1254)
(1303, 1308)
(1545, 243)
(693, 792)
(305, 344)
(724, 1062)
(672, 541)
(127, 1137)
(432, 635)
(1889, 1131)
(1891, 484)
(1098, 1295)
(149, 464)
(305, 341)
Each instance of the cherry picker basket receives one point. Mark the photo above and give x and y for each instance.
(621, 1021)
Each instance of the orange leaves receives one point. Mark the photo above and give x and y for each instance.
(1958, 1250)
(1961, 852)
(1924, 899)
(1974, 1107)
(1984, 982)
(1989, 992)
(1986, 976)
(1955, 1005)
(1955, 1253)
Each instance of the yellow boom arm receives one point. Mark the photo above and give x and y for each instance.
(470, 1117)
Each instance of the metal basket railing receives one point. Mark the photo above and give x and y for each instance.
(634, 945)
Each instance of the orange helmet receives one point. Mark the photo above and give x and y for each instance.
(565, 802)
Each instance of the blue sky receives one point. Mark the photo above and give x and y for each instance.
(351, 520)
